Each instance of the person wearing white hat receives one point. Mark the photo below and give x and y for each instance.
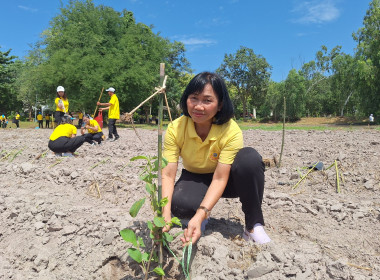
(61, 103)
(113, 114)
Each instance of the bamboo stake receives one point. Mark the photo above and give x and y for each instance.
(311, 169)
(158, 90)
(96, 108)
(337, 177)
(100, 162)
(283, 134)
(167, 106)
(360, 267)
(159, 183)
(57, 162)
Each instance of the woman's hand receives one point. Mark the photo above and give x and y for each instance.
(167, 218)
(193, 230)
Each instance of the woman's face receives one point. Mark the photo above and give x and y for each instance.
(86, 120)
(61, 93)
(203, 106)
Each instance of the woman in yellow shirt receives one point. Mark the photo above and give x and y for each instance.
(215, 163)
(95, 134)
(61, 103)
(64, 139)
(40, 120)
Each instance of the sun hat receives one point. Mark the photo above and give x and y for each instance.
(110, 89)
(60, 88)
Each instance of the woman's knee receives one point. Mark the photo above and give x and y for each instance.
(248, 158)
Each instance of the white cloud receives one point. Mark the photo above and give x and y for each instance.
(27, 8)
(316, 11)
(198, 41)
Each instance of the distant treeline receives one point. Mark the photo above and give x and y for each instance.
(89, 47)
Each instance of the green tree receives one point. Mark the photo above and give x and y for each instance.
(368, 56)
(248, 73)
(295, 93)
(89, 47)
(9, 68)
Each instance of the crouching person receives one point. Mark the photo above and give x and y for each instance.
(95, 134)
(63, 140)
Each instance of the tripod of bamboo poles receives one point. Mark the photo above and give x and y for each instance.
(96, 108)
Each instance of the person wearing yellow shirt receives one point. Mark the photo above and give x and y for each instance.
(17, 120)
(215, 162)
(80, 119)
(64, 139)
(61, 103)
(113, 113)
(40, 120)
(47, 120)
(95, 134)
(3, 120)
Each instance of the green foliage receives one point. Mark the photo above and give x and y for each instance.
(248, 73)
(156, 225)
(89, 47)
(9, 69)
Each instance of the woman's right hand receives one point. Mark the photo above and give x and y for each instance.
(167, 218)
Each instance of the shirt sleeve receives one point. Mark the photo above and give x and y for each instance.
(112, 100)
(171, 148)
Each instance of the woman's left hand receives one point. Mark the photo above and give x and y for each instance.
(193, 231)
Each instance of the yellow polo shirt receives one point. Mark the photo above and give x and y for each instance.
(63, 130)
(221, 145)
(65, 103)
(80, 116)
(94, 123)
(17, 116)
(40, 117)
(47, 117)
(114, 111)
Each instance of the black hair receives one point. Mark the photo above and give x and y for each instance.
(198, 83)
(64, 95)
(66, 119)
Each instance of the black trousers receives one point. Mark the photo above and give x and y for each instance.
(41, 124)
(57, 116)
(47, 123)
(112, 128)
(89, 137)
(246, 181)
(65, 144)
(17, 122)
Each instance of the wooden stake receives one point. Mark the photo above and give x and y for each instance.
(283, 134)
(101, 93)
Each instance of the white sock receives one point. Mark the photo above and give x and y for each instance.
(259, 235)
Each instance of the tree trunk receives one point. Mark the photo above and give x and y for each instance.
(345, 103)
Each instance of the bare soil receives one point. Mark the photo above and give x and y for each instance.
(60, 217)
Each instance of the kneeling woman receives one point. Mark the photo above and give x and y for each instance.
(63, 139)
(215, 163)
(94, 130)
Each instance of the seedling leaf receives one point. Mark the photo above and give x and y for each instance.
(129, 236)
(136, 207)
(159, 271)
(159, 221)
(135, 254)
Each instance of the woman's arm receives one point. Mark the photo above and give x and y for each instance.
(214, 192)
(168, 178)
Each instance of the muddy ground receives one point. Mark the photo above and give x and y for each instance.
(54, 225)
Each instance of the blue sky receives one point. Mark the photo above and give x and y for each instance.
(286, 32)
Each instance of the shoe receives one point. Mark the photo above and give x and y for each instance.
(258, 235)
(68, 154)
(110, 139)
(58, 154)
(93, 144)
(117, 137)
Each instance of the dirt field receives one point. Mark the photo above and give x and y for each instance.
(54, 225)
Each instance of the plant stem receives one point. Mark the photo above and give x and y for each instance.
(337, 178)
(150, 258)
(283, 133)
(159, 183)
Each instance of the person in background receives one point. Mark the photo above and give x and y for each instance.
(47, 120)
(63, 140)
(80, 119)
(113, 114)
(95, 134)
(40, 120)
(61, 103)
(3, 120)
(215, 163)
(17, 120)
(371, 119)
